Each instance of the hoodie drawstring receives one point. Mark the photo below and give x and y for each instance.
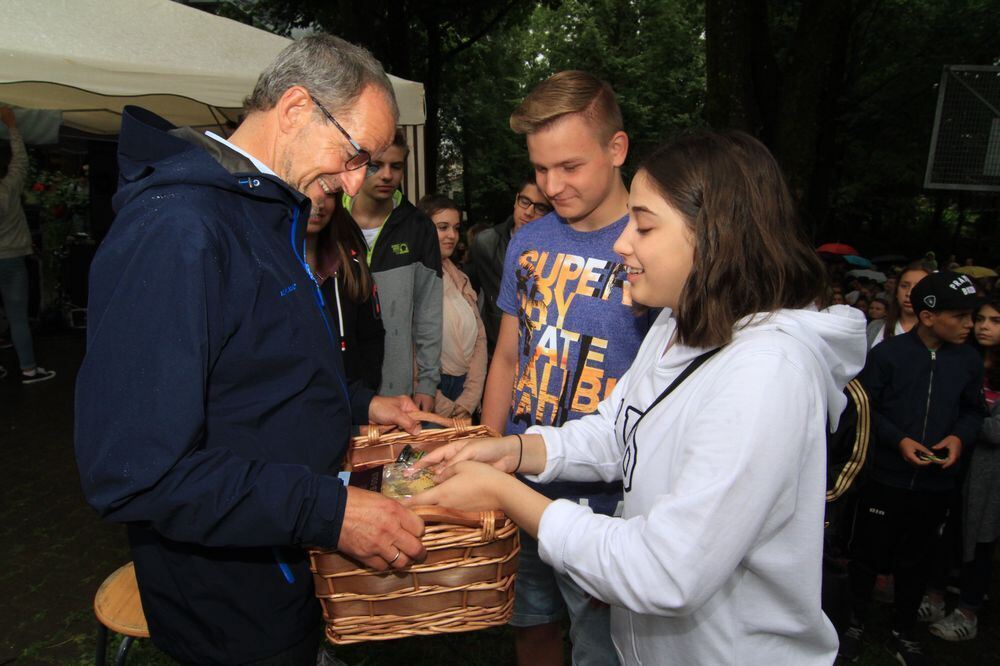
(340, 314)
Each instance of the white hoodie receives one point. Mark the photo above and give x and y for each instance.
(717, 558)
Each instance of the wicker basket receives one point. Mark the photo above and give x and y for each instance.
(466, 582)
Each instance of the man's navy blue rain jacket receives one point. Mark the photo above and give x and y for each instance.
(924, 395)
(212, 400)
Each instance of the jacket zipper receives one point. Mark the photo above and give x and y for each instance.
(927, 411)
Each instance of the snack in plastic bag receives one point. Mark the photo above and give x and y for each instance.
(401, 481)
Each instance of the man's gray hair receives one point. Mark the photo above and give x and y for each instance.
(331, 69)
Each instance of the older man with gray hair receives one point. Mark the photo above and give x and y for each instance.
(212, 406)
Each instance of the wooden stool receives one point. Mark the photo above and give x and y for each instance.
(118, 608)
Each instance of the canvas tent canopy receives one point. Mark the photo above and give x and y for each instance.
(90, 58)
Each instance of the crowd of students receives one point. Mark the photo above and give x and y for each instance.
(931, 504)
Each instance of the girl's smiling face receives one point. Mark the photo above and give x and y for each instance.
(323, 202)
(987, 326)
(447, 222)
(656, 246)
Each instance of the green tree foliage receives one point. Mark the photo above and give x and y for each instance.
(651, 51)
(414, 39)
(843, 91)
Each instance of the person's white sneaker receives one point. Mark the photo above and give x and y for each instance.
(40, 374)
(930, 611)
(956, 627)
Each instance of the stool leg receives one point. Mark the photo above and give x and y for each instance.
(123, 650)
(102, 645)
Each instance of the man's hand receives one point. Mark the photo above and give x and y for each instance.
(951, 444)
(394, 410)
(424, 402)
(380, 532)
(909, 448)
(7, 117)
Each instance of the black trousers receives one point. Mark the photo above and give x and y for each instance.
(895, 531)
(302, 653)
(976, 576)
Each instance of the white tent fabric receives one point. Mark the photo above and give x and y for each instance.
(89, 58)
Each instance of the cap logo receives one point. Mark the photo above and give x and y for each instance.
(930, 301)
(963, 284)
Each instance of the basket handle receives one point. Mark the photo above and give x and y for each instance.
(440, 514)
(375, 431)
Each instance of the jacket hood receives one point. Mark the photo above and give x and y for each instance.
(835, 336)
(154, 153)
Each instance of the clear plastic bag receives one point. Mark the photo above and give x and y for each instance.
(401, 481)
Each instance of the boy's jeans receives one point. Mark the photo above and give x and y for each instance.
(14, 291)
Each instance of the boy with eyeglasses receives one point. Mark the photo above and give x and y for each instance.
(567, 333)
(486, 255)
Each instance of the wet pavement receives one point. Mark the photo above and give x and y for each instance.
(55, 550)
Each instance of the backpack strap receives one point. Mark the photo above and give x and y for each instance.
(685, 373)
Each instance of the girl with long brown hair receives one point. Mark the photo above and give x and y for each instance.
(900, 318)
(463, 339)
(335, 254)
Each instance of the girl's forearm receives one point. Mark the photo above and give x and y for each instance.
(522, 504)
(533, 455)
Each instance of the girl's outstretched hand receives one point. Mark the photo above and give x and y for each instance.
(467, 485)
(501, 453)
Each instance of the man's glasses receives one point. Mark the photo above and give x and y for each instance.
(540, 207)
(361, 157)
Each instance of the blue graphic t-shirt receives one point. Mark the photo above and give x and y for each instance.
(577, 333)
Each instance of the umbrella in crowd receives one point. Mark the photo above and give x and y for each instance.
(860, 262)
(836, 248)
(976, 271)
(867, 274)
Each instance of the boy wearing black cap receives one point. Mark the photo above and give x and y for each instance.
(926, 392)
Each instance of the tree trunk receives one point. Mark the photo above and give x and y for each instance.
(813, 84)
(730, 34)
(794, 112)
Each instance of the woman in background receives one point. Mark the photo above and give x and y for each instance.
(901, 317)
(463, 342)
(878, 309)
